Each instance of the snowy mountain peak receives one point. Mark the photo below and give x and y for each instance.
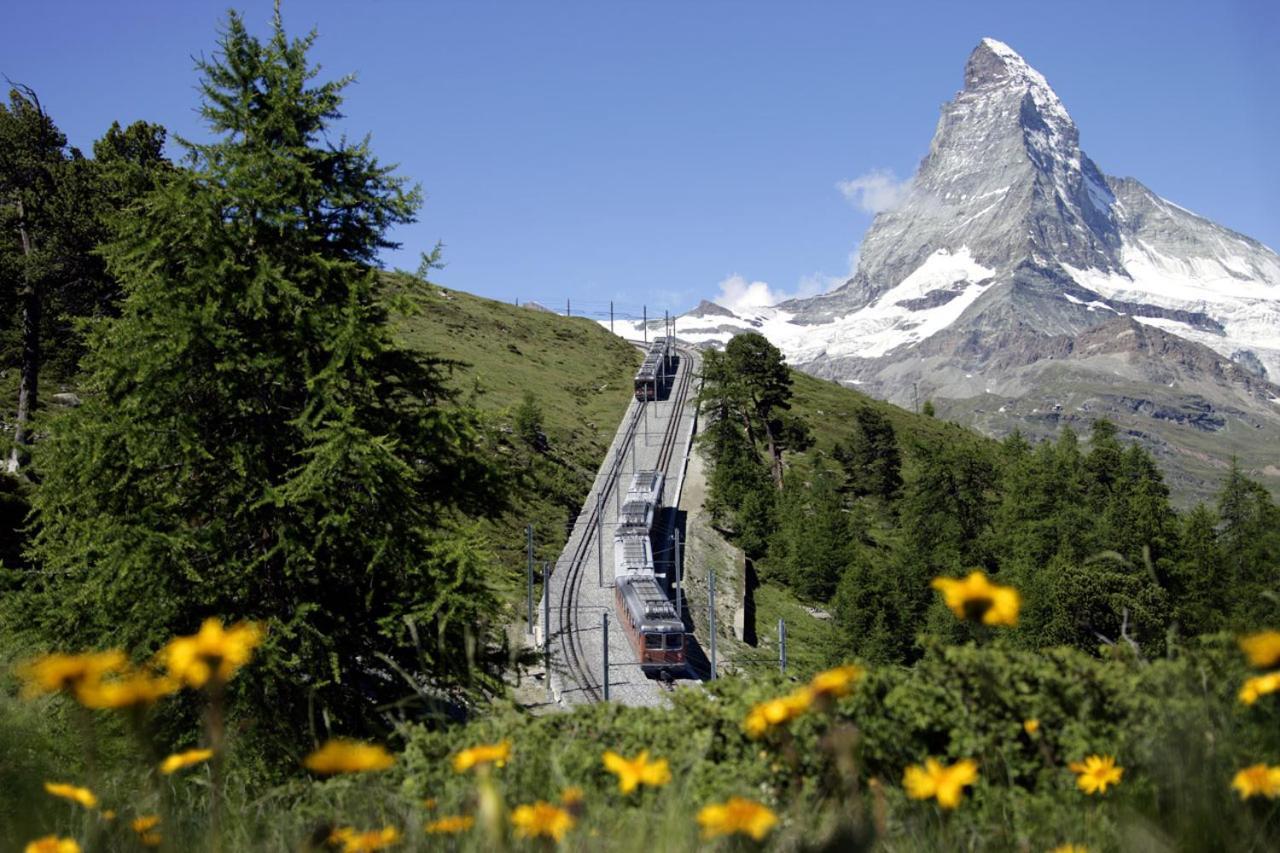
(1015, 272)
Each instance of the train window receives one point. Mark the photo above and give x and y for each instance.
(675, 641)
(653, 641)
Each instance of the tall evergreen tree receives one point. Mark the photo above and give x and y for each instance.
(1200, 590)
(871, 460)
(814, 541)
(1250, 542)
(253, 443)
(762, 390)
(32, 157)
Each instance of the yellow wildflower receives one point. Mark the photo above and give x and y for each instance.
(52, 844)
(452, 825)
(978, 599)
(108, 814)
(134, 688)
(737, 816)
(1031, 726)
(1096, 772)
(632, 773)
(145, 823)
(1070, 848)
(1259, 685)
(83, 796)
(348, 756)
(150, 839)
(429, 803)
(58, 671)
(1257, 781)
(353, 841)
(934, 781)
(572, 795)
(541, 819)
(496, 754)
(835, 682)
(213, 652)
(777, 712)
(179, 760)
(1262, 649)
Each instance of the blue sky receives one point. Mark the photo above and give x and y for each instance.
(646, 152)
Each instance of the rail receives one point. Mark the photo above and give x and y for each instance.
(570, 633)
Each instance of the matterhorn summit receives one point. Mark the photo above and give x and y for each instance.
(1020, 287)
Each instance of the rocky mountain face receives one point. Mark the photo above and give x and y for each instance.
(1018, 286)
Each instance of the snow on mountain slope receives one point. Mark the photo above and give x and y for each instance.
(1011, 247)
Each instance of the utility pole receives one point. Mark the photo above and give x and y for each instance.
(546, 625)
(677, 574)
(611, 315)
(599, 540)
(567, 311)
(915, 398)
(711, 618)
(644, 322)
(604, 661)
(782, 645)
(529, 532)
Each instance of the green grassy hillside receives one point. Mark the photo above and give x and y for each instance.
(578, 373)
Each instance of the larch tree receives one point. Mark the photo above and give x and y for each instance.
(32, 152)
(253, 442)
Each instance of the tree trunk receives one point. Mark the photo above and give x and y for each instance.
(28, 382)
(775, 458)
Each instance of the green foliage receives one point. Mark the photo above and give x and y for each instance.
(746, 393)
(1250, 543)
(814, 537)
(253, 442)
(871, 460)
(1173, 724)
(528, 421)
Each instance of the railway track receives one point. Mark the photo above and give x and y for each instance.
(570, 632)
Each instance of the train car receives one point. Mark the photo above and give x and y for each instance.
(651, 623)
(646, 486)
(632, 555)
(654, 370)
(646, 383)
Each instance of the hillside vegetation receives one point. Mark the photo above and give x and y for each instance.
(572, 377)
(267, 586)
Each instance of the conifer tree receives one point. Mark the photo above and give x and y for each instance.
(253, 443)
(813, 543)
(872, 462)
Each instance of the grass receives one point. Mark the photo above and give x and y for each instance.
(579, 374)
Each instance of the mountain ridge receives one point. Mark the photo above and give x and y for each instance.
(1009, 248)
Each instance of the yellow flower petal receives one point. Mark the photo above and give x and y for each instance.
(639, 770)
(1257, 781)
(1262, 649)
(52, 844)
(977, 599)
(541, 819)
(83, 796)
(1095, 773)
(452, 825)
(497, 754)
(348, 756)
(179, 760)
(933, 780)
(737, 816)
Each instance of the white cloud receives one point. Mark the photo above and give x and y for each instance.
(875, 191)
(742, 297)
(746, 297)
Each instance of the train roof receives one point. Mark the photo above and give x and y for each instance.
(645, 481)
(637, 513)
(632, 553)
(652, 610)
